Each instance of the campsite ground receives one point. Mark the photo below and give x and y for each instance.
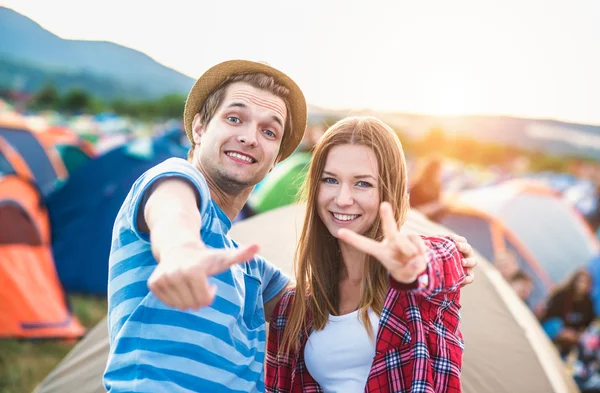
(23, 364)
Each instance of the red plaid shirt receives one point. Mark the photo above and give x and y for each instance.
(419, 345)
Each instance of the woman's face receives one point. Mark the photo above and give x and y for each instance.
(348, 194)
(582, 284)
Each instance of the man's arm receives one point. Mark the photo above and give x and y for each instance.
(172, 218)
(270, 305)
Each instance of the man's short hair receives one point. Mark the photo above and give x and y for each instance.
(521, 275)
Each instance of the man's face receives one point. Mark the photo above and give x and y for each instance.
(240, 144)
(523, 288)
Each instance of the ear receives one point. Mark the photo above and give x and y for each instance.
(197, 129)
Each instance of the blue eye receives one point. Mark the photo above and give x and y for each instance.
(364, 184)
(269, 133)
(329, 180)
(233, 119)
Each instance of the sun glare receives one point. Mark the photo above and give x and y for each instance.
(447, 96)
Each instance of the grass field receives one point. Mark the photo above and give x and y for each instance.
(24, 363)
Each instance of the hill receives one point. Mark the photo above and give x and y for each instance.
(24, 42)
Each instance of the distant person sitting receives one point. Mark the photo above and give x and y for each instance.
(522, 284)
(570, 305)
(426, 189)
(507, 264)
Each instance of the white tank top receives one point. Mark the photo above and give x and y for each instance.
(339, 357)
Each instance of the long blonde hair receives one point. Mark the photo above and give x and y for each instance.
(318, 261)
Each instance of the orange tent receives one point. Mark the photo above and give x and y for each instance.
(46, 166)
(33, 304)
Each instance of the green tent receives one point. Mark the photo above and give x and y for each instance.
(72, 156)
(282, 186)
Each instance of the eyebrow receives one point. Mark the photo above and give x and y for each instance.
(356, 177)
(237, 105)
(278, 121)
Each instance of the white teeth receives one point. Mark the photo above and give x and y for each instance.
(241, 157)
(345, 217)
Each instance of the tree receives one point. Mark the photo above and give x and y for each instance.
(121, 106)
(171, 106)
(46, 98)
(76, 101)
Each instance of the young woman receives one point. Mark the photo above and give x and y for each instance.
(572, 306)
(373, 310)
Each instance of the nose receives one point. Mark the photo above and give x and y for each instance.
(248, 137)
(344, 197)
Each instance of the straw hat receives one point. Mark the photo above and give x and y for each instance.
(216, 75)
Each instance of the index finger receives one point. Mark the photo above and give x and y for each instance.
(456, 238)
(361, 243)
(224, 259)
(389, 224)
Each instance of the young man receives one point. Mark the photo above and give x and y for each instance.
(187, 308)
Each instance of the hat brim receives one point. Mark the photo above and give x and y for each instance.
(217, 74)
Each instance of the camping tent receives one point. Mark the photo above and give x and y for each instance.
(548, 236)
(83, 210)
(33, 302)
(579, 192)
(72, 151)
(12, 162)
(281, 186)
(506, 350)
(46, 169)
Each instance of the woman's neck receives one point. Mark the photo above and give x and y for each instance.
(353, 263)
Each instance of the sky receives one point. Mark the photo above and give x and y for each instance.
(530, 58)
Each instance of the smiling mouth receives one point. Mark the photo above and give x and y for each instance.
(345, 217)
(239, 156)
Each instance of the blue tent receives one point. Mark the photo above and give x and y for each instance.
(23, 141)
(83, 210)
(594, 269)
